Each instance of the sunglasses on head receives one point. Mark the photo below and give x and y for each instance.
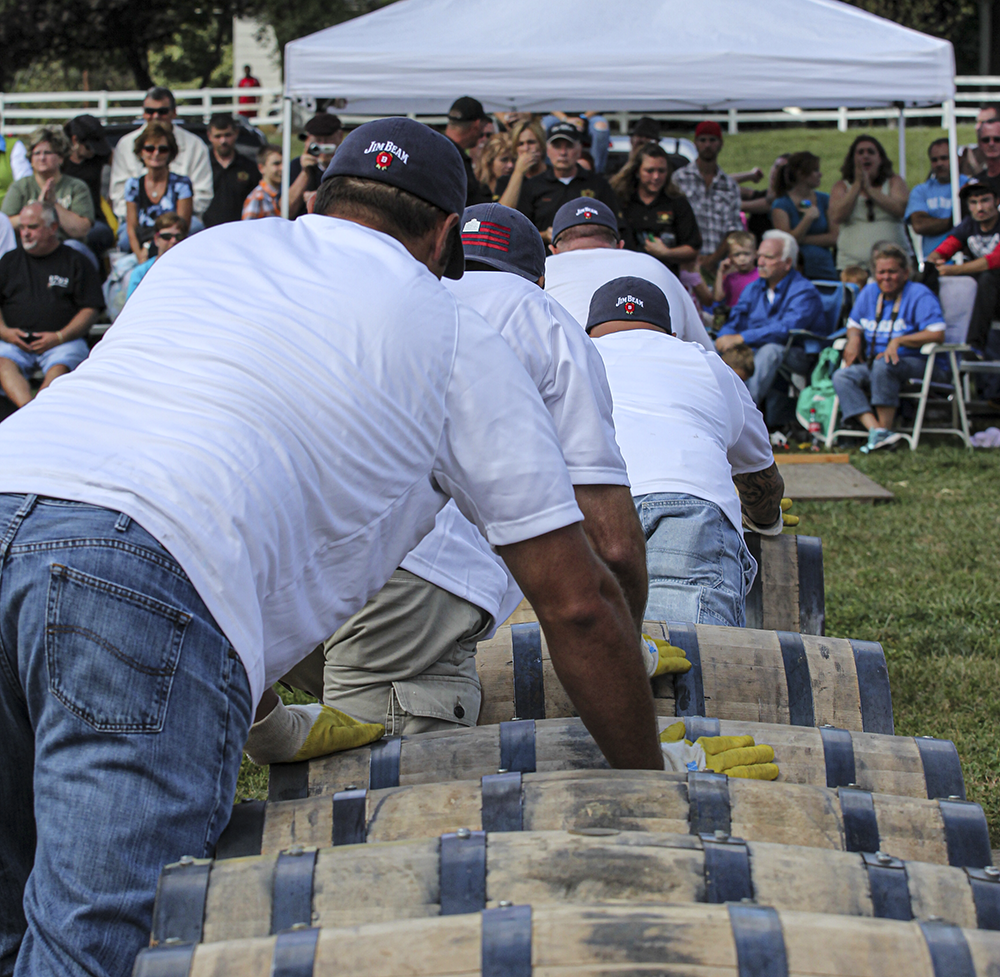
(148, 111)
(155, 149)
(170, 235)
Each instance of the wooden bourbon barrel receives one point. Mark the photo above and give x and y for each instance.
(826, 757)
(787, 595)
(469, 871)
(734, 940)
(753, 676)
(945, 832)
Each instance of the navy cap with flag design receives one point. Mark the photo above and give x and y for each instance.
(503, 239)
(413, 157)
(629, 299)
(583, 210)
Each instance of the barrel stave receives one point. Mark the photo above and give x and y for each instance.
(907, 831)
(465, 757)
(238, 901)
(799, 814)
(934, 893)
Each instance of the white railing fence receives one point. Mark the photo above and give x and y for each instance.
(22, 112)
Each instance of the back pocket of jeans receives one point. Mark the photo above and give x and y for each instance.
(111, 652)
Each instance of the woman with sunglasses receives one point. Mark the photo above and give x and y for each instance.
(868, 204)
(155, 193)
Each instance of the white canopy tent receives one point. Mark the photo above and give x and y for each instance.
(417, 56)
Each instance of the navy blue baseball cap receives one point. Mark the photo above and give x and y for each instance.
(629, 299)
(413, 157)
(503, 239)
(583, 210)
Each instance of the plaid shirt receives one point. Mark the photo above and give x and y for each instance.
(716, 207)
(262, 201)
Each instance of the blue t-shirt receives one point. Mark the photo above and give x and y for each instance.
(817, 261)
(918, 309)
(934, 199)
(178, 188)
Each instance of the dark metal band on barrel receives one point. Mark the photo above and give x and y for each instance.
(501, 802)
(800, 694)
(986, 896)
(349, 823)
(291, 893)
(708, 803)
(462, 882)
(294, 953)
(950, 956)
(857, 808)
(517, 746)
(727, 869)
(179, 910)
(838, 755)
(529, 681)
(966, 834)
(506, 941)
(873, 687)
(288, 781)
(942, 768)
(165, 961)
(383, 763)
(695, 726)
(889, 886)
(812, 595)
(244, 835)
(689, 689)
(760, 943)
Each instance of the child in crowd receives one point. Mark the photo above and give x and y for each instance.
(169, 229)
(739, 359)
(854, 275)
(738, 268)
(701, 294)
(264, 200)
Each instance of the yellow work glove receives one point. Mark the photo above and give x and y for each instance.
(663, 658)
(334, 731)
(735, 756)
(786, 519)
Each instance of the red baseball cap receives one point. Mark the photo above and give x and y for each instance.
(708, 129)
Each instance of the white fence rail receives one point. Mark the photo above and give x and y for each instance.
(20, 113)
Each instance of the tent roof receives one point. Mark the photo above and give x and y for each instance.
(627, 55)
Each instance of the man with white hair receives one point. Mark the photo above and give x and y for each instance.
(781, 300)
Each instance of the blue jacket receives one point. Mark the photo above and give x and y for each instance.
(797, 305)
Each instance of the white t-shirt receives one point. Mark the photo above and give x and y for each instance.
(286, 406)
(569, 375)
(572, 277)
(685, 421)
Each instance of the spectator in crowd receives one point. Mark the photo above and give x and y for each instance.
(476, 152)
(655, 216)
(738, 269)
(971, 160)
(495, 162)
(714, 196)
(890, 320)
(191, 159)
(68, 196)
(989, 147)
(14, 164)
(854, 275)
(643, 131)
(688, 431)
(159, 191)
(868, 203)
(528, 140)
(781, 300)
(595, 135)
(233, 175)
(978, 238)
(757, 204)
(929, 209)
(265, 198)
(8, 238)
(587, 251)
(50, 296)
(543, 195)
(802, 210)
(248, 81)
(168, 229)
(467, 121)
(323, 134)
(89, 153)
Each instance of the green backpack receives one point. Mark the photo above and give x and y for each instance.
(819, 395)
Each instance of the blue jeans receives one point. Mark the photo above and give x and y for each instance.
(768, 361)
(700, 570)
(883, 379)
(123, 715)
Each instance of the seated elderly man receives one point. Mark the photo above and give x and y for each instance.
(49, 297)
(891, 319)
(781, 300)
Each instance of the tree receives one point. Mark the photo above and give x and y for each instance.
(21, 40)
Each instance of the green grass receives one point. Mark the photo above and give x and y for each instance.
(919, 574)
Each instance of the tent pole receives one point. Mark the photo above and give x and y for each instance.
(286, 151)
(956, 204)
(901, 126)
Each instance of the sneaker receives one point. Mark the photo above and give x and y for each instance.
(880, 437)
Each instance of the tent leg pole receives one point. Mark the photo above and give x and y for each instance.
(901, 126)
(956, 205)
(286, 151)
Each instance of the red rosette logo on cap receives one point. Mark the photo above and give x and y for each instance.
(382, 161)
(629, 307)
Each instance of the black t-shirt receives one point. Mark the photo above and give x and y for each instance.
(543, 195)
(90, 172)
(975, 242)
(230, 184)
(314, 177)
(669, 218)
(43, 294)
(476, 192)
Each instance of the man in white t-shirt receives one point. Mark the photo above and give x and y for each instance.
(688, 430)
(407, 659)
(587, 252)
(269, 463)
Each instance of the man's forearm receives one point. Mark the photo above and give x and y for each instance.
(615, 534)
(78, 325)
(929, 226)
(760, 494)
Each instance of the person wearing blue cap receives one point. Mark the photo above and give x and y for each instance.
(273, 458)
(407, 660)
(688, 430)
